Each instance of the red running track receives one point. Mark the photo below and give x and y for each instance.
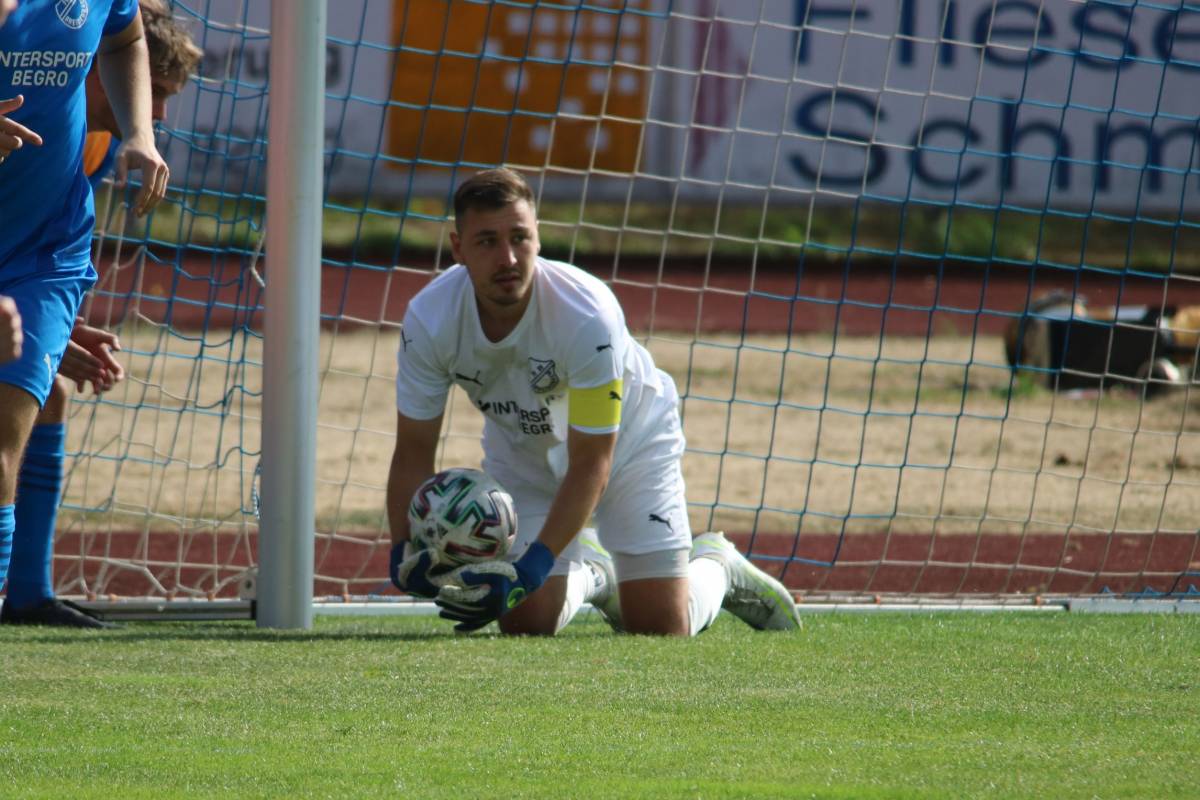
(192, 290)
(900, 563)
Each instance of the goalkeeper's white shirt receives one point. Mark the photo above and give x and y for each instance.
(571, 337)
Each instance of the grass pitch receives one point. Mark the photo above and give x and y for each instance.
(958, 705)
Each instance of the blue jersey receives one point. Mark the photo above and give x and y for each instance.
(99, 156)
(46, 50)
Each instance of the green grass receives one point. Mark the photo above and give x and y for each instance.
(1015, 705)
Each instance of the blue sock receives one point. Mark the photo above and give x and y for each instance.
(7, 523)
(30, 579)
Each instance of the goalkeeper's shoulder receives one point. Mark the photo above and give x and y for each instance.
(442, 297)
(582, 294)
(437, 307)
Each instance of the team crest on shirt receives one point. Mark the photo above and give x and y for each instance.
(542, 375)
(72, 13)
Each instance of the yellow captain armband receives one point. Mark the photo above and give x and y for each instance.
(597, 407)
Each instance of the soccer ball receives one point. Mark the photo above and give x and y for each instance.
(464, 515)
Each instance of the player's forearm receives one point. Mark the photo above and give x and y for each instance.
(412, 462)
(405, 475)
(125, 75)
(575, 500)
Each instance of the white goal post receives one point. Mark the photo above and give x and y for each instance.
(295, 196)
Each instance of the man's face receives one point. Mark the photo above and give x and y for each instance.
(499, 249)
(161, 90)
(6, 7)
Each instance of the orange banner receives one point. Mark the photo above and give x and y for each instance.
(535, 85)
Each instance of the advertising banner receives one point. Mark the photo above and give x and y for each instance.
(1060, 104)
(1057, 103)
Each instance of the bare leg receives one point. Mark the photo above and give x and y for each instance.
(55, 410)
(538, 615)
(655, 606)
(16, 421)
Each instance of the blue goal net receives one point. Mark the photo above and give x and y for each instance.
(925, 274)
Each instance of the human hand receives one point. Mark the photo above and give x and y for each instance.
(138, 153)
(10, 330)
(89, 359)
(416, 571)
(483, 592)
(14, 135)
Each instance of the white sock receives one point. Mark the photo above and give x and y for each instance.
(598, 588)
(581, 587)
(707, 583)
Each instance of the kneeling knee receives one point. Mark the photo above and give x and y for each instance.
(539, 614)
(526, 627)
(657, 625)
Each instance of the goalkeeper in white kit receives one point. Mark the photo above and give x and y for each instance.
(579, 425)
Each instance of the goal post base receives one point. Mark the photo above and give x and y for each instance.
(1139, 605)
(161, 610)
(151, 610)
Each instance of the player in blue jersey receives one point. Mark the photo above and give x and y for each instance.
(89, 359)
(10, 318)
(47, 48)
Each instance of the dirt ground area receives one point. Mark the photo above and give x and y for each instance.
(816, 434)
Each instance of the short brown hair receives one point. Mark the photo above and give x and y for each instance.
(489, 190)
(173, 54)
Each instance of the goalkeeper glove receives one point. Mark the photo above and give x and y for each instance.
(411, 570)
(486, 591)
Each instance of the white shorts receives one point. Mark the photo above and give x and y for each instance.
(643, 510)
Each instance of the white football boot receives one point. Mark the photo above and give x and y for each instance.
(753, 596)
(608, 603)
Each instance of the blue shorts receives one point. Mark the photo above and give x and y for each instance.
(48, 301)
